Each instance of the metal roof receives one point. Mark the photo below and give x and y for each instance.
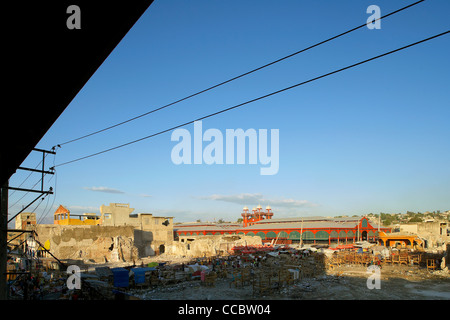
(298, 225)
(279, 223)
(309, 219)
(204, 227)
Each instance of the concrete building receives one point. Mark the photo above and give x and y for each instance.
(154, 233)
(82, 235)
(400, 240)
(23, 221)
(62, 216)
(434, 233)
(118, 214)
(26, 221)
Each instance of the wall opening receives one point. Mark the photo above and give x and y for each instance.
(364, 235)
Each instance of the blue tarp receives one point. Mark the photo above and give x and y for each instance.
(121, 278)
(139, 274)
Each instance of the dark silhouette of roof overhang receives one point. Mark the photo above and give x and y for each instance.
(48, 64)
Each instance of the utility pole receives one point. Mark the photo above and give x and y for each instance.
(4, 216)
(3, 239)
(357, 238)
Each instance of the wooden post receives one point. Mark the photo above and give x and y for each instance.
(3, 239)
(301, 235)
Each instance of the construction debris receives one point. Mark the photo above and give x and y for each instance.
(209, 246)
(231, 267)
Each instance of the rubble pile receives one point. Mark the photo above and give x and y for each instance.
(210, 246)
(243, 272)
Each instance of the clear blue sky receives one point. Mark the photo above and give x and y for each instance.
(375, 138)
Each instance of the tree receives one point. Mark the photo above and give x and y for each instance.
(416, 219)
(387, 218)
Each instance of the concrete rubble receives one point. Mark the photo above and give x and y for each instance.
(240, 267)
(208, 246)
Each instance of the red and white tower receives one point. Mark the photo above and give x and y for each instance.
(257, 214)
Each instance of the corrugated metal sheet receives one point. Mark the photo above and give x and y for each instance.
(298, 225)
(295, 223)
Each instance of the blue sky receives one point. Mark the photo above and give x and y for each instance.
(371, 139)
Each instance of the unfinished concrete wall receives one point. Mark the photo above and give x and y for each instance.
(152, 233)
(25, 220)
(435, 233)
(161, 231)
(118, 214)
(90, 242)
(411, 228)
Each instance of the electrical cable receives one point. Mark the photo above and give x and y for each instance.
(26, 192)
(29, 175)
(45, 213)
(257, 99)
(239, 76)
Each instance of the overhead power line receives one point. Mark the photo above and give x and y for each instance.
(256, 99)
(237, 77)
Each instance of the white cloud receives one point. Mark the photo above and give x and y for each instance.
(143, 195)
(243, 198)
(103, 189)
(251, 199)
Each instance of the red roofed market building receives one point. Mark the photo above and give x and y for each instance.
(289, 230)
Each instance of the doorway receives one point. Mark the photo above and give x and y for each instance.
(364, 235)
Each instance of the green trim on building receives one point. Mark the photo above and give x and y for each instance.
(294, 235)
(261, 235)
(308, 235)
(271, 234)
(321, 235)
(364, 223)
(282, 234)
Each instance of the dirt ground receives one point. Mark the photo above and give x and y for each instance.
(343, 283)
